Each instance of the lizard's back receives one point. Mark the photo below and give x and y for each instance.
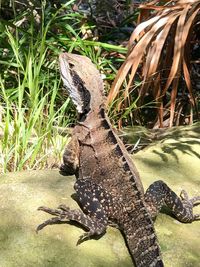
(110, 166)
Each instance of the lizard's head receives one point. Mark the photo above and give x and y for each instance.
(82, 81)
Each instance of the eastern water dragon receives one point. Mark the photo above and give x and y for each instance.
(108, 185)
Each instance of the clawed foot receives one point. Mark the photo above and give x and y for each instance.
(91, 233)
(61, 214)
(190, 202)
(84, 237)
(64, 214)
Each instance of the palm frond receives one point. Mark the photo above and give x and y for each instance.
(160, 48)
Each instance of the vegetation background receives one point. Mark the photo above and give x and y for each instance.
(156, 86)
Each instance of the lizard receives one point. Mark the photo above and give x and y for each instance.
(108, 185)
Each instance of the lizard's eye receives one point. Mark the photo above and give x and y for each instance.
(71, 65)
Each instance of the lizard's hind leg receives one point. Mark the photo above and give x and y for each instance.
(94, 218)
(159, 194)
(64, 214)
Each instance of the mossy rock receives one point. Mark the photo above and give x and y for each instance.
(175, 161)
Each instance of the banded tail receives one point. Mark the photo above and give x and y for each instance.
(141, 239)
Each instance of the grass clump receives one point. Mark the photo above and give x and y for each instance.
(34, 110)
(31, 112)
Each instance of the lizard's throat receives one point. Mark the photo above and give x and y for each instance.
(79, 94)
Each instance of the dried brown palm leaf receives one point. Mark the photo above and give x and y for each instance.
(158, 47)
(152, 63)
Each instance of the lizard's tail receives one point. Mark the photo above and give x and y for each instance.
(141, 239)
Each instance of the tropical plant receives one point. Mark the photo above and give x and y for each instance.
(34, 110)
(160, 51)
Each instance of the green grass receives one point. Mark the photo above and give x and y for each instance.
(34, 110)
(31, 114)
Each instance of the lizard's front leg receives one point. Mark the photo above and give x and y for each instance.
(95, 216)
(159, 194)
(71, 157)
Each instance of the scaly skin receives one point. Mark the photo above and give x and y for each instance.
(107, 184)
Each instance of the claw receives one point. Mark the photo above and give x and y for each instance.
(84, 237)
(195, 199)
(41, 208)
(48, 222)
(40, 227)
(196, 217)
(55, 212)
(63, 208)
(184, 195)
(190, 203)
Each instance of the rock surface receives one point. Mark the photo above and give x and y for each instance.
(174, 160)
